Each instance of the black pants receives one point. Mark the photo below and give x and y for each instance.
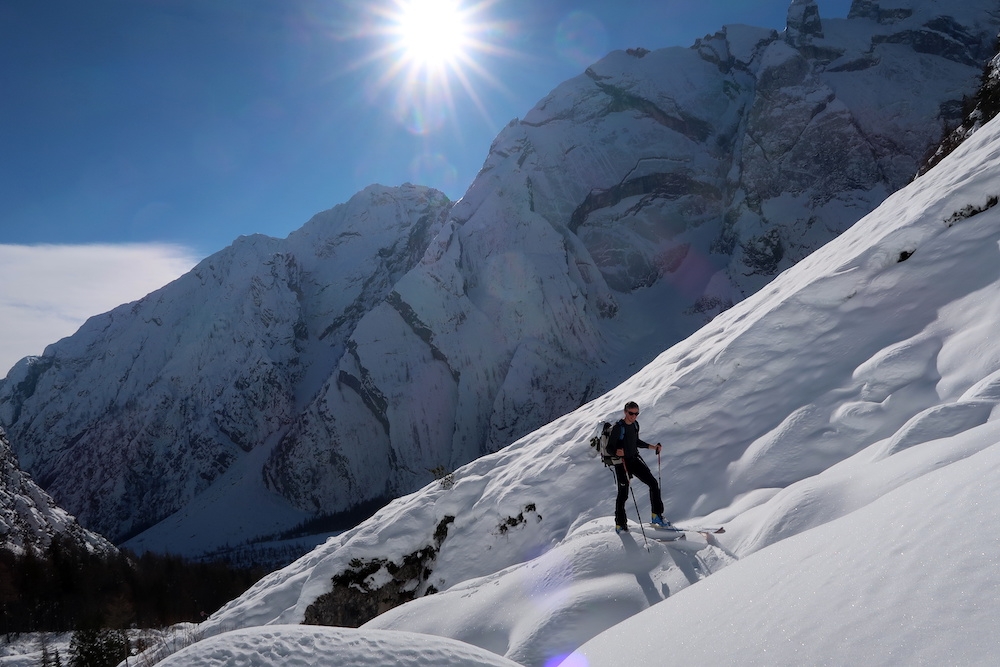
(636, 468)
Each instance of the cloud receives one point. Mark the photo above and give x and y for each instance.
(48, 291)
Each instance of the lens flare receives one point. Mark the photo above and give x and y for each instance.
(581, 39)
(571, 660)
(434, 168)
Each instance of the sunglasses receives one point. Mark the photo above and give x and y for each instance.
(634, 413)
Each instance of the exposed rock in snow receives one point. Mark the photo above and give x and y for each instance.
(803, 23)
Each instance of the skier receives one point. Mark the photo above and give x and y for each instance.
(623, 445)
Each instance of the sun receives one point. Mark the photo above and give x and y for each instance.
(433, 34)
(431, 51)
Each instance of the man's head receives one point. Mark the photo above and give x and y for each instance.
(631, 411)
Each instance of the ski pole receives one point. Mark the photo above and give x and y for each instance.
(659, 480)
(638, 516)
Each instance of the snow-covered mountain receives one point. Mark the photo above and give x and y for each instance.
(841, 424)
(399, 336)
(154, 402)
(30, 519)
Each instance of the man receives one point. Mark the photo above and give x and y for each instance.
(623, 445)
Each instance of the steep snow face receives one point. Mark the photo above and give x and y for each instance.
(397, 337)
(29, 519)
(842, 425)
(475, 340)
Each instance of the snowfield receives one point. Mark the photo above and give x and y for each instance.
(840, 424)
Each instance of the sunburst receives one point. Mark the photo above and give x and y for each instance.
(432, 49)
(433, 34)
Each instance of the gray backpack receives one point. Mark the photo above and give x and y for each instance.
(599, 441)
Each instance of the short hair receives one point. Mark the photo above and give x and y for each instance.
(631, 404)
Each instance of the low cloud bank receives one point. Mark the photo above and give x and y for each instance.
(48, 291)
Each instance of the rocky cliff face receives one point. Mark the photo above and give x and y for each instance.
(399, 334)
(30, 519)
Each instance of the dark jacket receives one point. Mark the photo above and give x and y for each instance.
(626, 437)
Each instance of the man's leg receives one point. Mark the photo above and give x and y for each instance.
(622, 480)
(643, 474)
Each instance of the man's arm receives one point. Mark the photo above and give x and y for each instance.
(643, 443)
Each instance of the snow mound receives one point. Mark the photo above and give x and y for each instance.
(310, 646)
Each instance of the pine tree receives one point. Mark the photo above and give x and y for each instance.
(97, 648)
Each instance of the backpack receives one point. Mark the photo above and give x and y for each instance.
(599, 441)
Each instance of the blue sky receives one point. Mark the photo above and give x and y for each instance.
(183, 124)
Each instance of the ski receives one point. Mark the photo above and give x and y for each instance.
(666, 534)
(716, 530)
(661, 536)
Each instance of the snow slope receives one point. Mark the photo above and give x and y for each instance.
(840, 423)
(906, 579)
